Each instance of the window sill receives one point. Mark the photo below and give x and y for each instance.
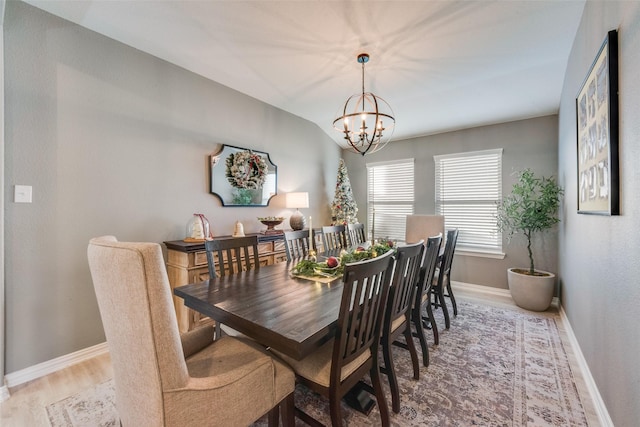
(480, 254)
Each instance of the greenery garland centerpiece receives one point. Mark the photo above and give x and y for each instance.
(246, 169)
(334, 266)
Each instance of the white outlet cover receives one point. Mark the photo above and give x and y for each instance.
(22, 194)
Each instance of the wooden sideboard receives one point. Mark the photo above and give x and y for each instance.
(187, 263)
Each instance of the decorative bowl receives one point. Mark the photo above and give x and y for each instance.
(271, 221)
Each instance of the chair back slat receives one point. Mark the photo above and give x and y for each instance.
(357, 234)
(365, 292)
(334, 237)
(405, 277)
(428, 268)
(296, 244)
(447, 258)
(233, 255)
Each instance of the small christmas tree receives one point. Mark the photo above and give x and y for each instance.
(343, 208)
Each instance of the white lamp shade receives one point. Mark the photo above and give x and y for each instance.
(297, 200)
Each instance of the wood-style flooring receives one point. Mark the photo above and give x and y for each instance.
(28, 402)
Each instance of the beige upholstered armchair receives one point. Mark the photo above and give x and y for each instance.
(162, 378)
(421, 227)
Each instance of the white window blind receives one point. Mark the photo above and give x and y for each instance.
(468, 185)
(390, 194)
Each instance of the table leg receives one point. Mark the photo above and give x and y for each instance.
(359, 398)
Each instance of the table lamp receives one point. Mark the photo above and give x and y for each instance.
(297, 200)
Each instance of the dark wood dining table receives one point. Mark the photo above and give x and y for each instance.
(292, 315)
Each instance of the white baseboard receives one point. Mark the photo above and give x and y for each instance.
(488, 290)
(4, 393)
(598, 403)
(41, 369)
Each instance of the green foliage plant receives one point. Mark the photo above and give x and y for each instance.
(241, 196)
(530, 208)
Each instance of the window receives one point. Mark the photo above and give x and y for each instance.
(468, 185)
(390, 195)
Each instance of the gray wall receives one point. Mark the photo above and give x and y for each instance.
(527, 144)
(600, 255)
(115, 141)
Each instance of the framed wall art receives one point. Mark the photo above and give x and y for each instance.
(242, 177)
(597, 129)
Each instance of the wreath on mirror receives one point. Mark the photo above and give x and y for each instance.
(246, 169)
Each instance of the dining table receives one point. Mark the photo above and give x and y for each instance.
(277, 309)
(272, 306)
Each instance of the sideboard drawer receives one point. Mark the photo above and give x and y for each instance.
(200, 258)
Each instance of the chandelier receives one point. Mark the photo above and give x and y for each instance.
(367, 120)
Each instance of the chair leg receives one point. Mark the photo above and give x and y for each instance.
(379, 392)
(412, 352)
(288, 411)
(434, 325)
(391, 374)
(334, 407)
(274, 416)
(417, 321)
(445, 311)
(452, 298)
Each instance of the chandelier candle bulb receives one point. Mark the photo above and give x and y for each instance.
(373, 226)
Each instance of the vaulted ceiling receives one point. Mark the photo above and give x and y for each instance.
(441, 65)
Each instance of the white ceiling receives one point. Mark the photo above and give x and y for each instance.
(441, 65)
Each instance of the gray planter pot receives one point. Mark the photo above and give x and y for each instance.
(531, 292)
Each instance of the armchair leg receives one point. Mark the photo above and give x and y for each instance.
(274, 416)
(288, 411)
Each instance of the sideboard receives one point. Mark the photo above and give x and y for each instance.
(187, 263)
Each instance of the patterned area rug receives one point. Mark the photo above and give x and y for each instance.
(494, 367)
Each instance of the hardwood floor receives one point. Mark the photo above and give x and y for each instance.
(28, 402)
(26, 406)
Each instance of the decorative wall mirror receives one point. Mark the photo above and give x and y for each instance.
(243, 177)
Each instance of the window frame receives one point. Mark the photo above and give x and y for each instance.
(386, 208)
(487, 241)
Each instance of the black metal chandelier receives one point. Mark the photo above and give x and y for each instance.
(367, 120)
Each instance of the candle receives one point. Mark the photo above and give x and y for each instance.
(373, 226)
(310, 234)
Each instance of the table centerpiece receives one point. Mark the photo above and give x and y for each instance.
(333, 267)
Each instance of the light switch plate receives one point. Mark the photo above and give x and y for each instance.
(22, 194)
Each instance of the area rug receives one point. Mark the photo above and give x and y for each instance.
(495, 366)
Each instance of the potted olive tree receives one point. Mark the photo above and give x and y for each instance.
(530, 208)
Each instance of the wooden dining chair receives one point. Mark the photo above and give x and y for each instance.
(162, 377)
(421, 227)
(318, 240)
(397, 320)
(357, 234)
(342, 362)
(442, 278)
(232, 255)
(297, 244)
(422, 298)
(334, 237)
